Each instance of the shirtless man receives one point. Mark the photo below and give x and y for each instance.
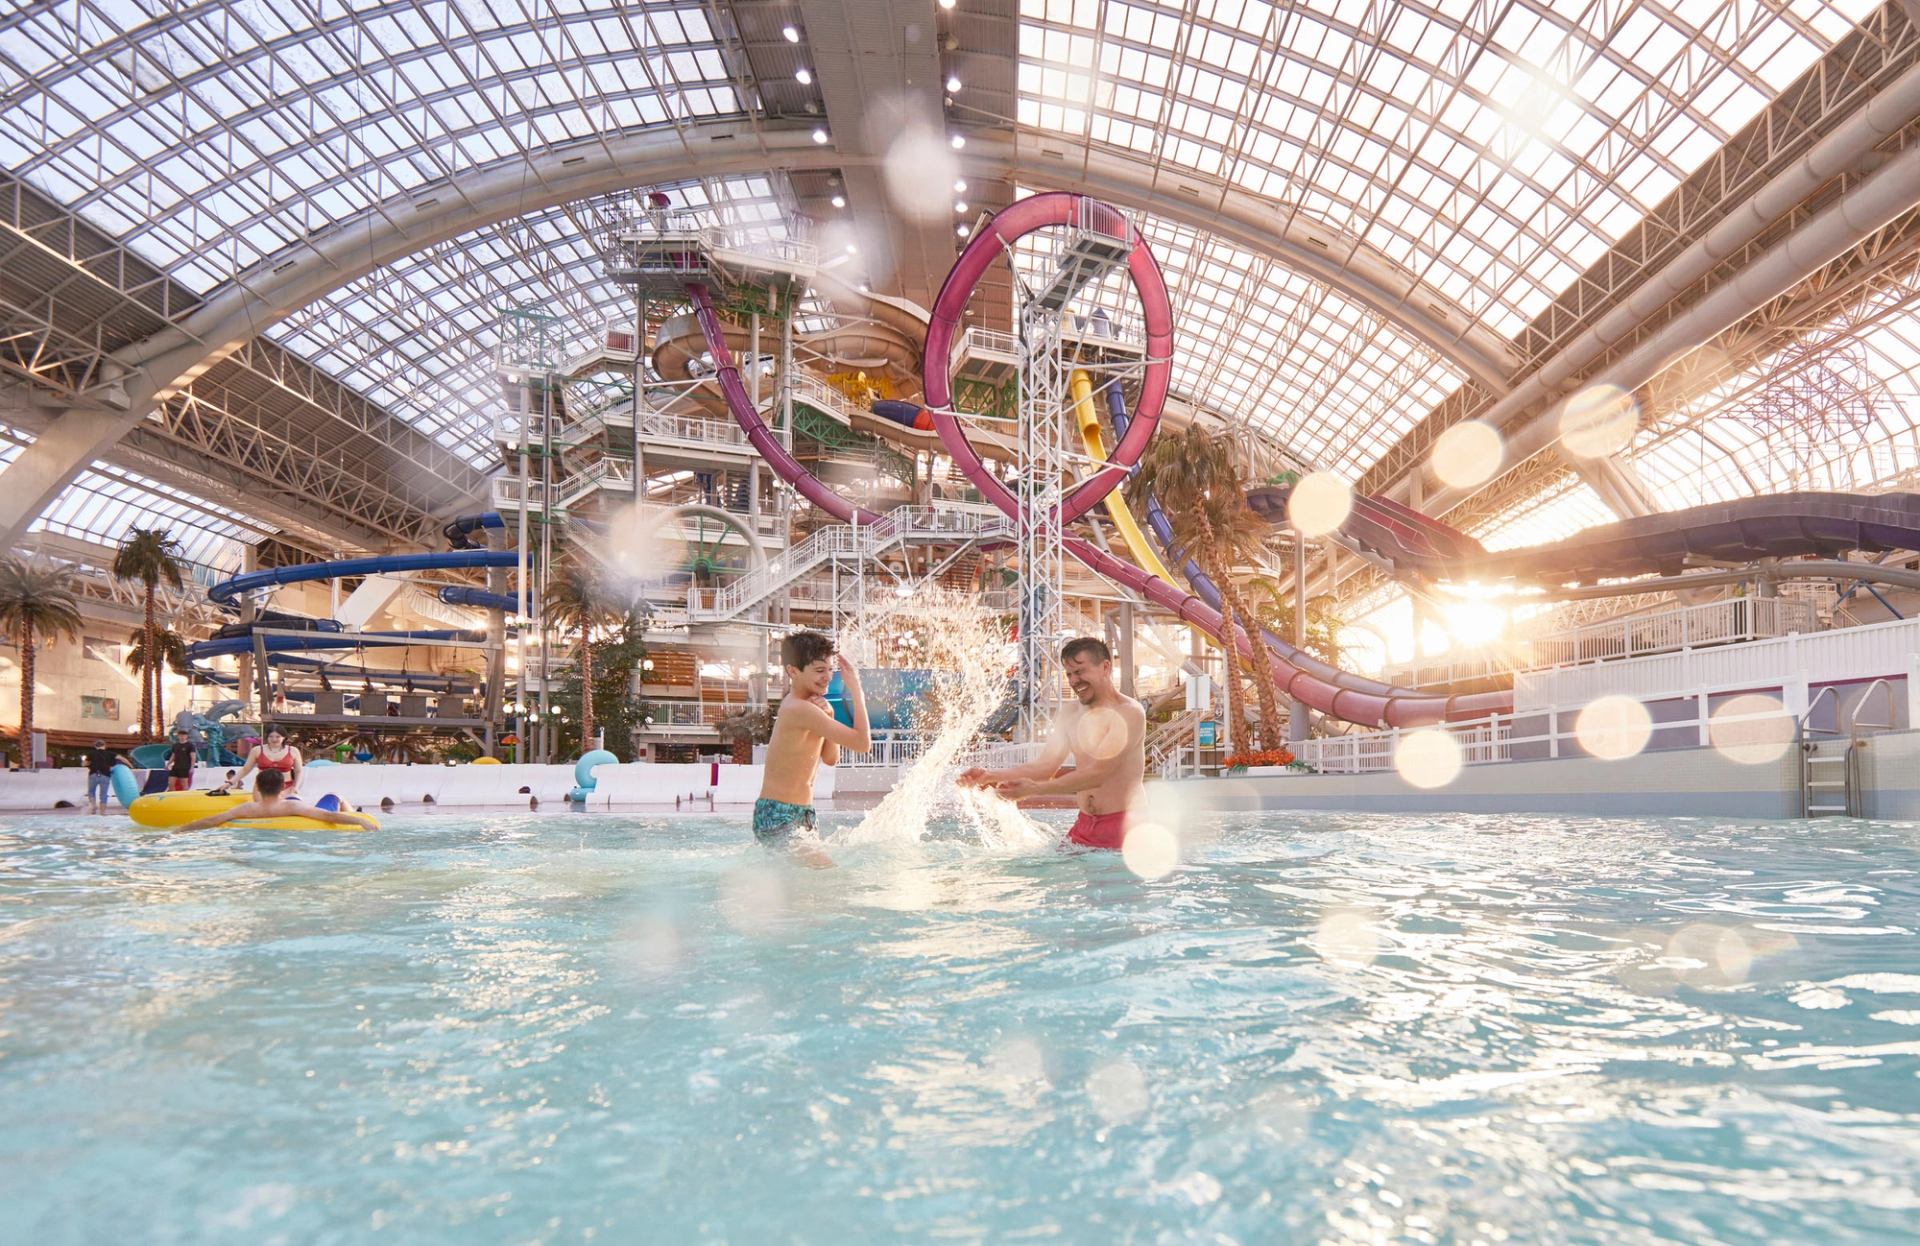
(1106, 733)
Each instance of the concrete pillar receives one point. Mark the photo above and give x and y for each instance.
(496, 660)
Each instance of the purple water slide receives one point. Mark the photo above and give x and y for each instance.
(1784, 525)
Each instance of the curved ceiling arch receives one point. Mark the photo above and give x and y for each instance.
(329, 258)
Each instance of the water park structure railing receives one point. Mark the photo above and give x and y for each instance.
(1687, 627)
(1687, 720)
(902, 524)
(1667, 631)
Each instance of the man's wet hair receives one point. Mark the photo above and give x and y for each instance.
(1087, 647)
(269, 782)
(803, 649)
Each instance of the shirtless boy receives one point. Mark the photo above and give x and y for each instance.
(268, 802)
(805, 733)
(1106, 733)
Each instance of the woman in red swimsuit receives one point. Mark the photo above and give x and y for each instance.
(274, 754)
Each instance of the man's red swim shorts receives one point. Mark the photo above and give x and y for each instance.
(1099, 830)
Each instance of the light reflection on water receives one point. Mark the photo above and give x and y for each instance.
(1325, 1029)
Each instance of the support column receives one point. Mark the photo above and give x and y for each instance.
(496, 660)
(1296, 708)
(1128, 671)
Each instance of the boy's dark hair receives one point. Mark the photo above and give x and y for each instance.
(803, 649)
(1087, 646)
(269, 782)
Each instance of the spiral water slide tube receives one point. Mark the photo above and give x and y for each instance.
(1342, 695)
(1332, 691)
(459, 533)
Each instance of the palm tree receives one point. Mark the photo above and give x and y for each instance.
(577, 600)
(1200, 485)
(150, 556)
(171, 652)
(1272, 608)
(746, 726)
(37, 600)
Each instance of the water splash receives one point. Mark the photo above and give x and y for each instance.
(966, 647)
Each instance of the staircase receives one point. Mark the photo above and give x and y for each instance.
(1171, 736)
(1830, 778)
(963, 572)
(903, 526)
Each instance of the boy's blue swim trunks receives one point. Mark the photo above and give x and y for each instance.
(775, 821)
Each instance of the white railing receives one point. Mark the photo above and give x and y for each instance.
(1524, 735)
(979, 341)
(1688, 627)
(905, 524)
(899, 748)
(789, 251)
(695, 430)
(1631, 636)
(676, 714)
(815, 392)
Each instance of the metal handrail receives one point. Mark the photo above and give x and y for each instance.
(902, 524)
(1853, 719)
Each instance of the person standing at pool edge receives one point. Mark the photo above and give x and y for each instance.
(100, 761)
(180, 761)
(1107, 734)
(805, 733)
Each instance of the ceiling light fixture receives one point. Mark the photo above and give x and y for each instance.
(958, 141)
(819, 136)
(852, 250)
(803, 76)
(793, 36)
(960, 187)
(964, 230)
(946, 4)
(953, 83)
(839, 201)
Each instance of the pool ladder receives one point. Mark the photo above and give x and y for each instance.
(1830, 778)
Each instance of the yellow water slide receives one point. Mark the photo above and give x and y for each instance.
(1081, 387)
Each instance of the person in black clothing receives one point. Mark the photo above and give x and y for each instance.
(100, 762)
(180, 761)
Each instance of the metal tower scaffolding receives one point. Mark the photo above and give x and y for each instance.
(1098, 246)
(527, 361)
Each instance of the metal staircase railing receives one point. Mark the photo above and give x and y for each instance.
(905, 525)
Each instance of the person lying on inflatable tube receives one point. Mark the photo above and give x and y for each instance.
(268, 802)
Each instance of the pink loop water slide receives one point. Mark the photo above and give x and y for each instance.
(1333, 692)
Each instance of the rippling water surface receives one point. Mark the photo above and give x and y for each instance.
(1339, 1029)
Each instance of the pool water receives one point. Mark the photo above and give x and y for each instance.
(569, 1028)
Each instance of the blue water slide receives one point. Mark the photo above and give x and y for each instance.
(324, 640)
(479, 598)
(223, 593)
(461, 530)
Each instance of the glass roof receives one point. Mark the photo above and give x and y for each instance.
(418, 336)
(1326, 377)
(106, 501)
(1493, 150)
(209, 138)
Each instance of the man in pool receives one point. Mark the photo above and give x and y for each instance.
(805, 733)
(1106, 733)
(268, 802)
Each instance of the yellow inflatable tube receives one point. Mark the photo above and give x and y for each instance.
(164, 810)
(1081, 388)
